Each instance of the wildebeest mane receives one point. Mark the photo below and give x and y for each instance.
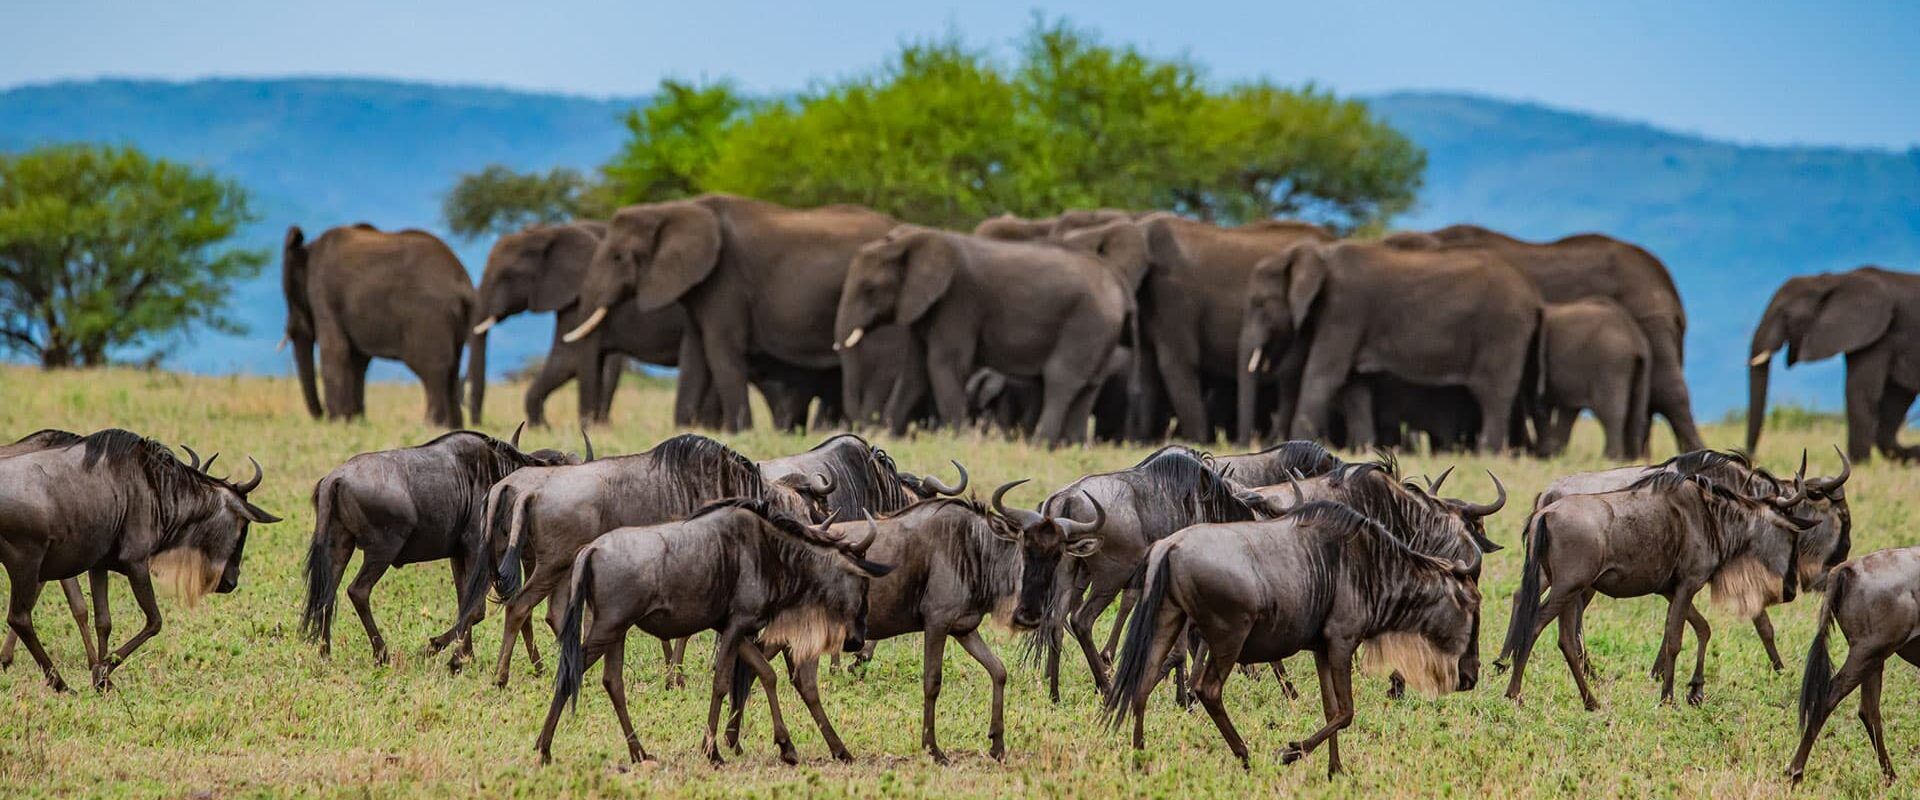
(988, 566)
(700, 469)
(1410, 518)
(1172, 488)
(1273, 465)
(1384, 569)
(49, 438)
(864, 477)
(179, 492)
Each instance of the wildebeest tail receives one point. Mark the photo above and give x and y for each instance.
(573, 657)
(506, 581)
(317, 617)
(1817, 678)
(1134, 671)
(742, 687)
(1526, 602)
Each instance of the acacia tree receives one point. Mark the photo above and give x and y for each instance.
(104, 249)
(499, 200)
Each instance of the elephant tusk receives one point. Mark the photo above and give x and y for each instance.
(586, 327)
(485, 325)
(1761, 359)
(853, 338)
(282, 346)
(1253, 363)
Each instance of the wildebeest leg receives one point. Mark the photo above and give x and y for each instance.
(592, 645)
(6, 649)
(1209, 681)
(1763, 625)
(976, 646)
(142, 584)
(806, 679)
(102, 625)
(1697, 686)
(1678, 604)
(1336, 672)
(613, 678)
(1573, 649)
(1082, 627)
(934, 646)
(1586, 658)
(676, 673)
(458, 563)
(1860, 660)
(750, 652)
(1167, 632)
(533, 653)
(361, 592)
(1287, 689)
(1127, 599)
(519, 612)
(726, 650)
(1870, 717)
(24, 593)
(1557, 601)
(77, 603)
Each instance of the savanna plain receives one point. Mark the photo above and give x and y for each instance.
(229, 700)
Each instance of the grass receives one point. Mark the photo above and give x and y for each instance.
(229, 701)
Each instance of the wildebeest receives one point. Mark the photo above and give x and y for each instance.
(1130, 509)
(1820, 548)
(1667, 534)
(1445, 528)
(863, 477)
(1274, 465)
(742, 568)
(47, 439)
(1323, 578)
(407, 506)
(542, 516)
(112, 501)
(1872, 599)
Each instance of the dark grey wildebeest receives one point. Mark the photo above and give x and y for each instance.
(1820, 548)
(745, 569)
(1130, 510)
(1873, 600)
(48, 439)
(408, 506)
(1667, 534)
(1446, 528)
(1274, 465)
(111, 502)
(540, 517)
(1323, 579)
(863, 477)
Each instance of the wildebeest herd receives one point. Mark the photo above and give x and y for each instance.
(1115, 324)
(1218, 562)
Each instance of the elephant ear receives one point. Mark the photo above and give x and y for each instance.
(1853, 315)
(1121, 245)
(1306, 276)
(686, 247)
(1163, 244)
(929, 259)
(569, 249)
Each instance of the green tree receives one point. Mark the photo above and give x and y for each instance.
(103, 249)
(675, 140)
(498, 200)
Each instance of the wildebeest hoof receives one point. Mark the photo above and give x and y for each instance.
(57, 685)
(938, 756)
(787, 754)
(1795, 774)
(1592, 705)
(1696, 696)
(102, 679)
(1499, 667)
(1887, 777)
(1292, 752)
(1396, 691)
(843, 756)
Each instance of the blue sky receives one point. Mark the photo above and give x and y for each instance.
(1844, 72)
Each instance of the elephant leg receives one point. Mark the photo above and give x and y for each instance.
(947, 370)
(1329, 366)
(692, 390)
(1866, 383)
(554, 373)
(587, 369)
(1668, 396)
(727, 365)
(1495, 394)
(337, 365)
(440, 377)
(1555, 438)
(1356, 402)
(1613, 409)
(1894, 402)
(613, 366)
(1180, 380)
(1062, 385)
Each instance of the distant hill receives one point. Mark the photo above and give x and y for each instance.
(1730, 220)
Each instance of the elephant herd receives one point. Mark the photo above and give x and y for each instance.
(1112, 324)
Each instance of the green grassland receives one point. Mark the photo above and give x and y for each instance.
(229, 701)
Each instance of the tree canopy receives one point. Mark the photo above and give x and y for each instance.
(946, 134)
(104, 249)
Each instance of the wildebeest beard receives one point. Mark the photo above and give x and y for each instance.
(818, 599)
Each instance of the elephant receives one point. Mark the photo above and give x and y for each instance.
(1596, 358)
(756, 280)
(1385, 410)
(1192, 306)
(362, 293)
(1872, 314)
(1051, 311)
(539, 270)
(1593, 265)
(1455, 316)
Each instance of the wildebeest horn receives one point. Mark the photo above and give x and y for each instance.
(195, 463)
(586, 440)
(1818, 484)
(951, 491)
(1020, 516)
(515, 441)
(859, 548)
(209, 465)
(1488, 510)
(1799, 488)
(250, 485)
(821, 485)
(1293, 481)
(1075, 528)
(1433, 486)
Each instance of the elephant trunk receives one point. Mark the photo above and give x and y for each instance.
(1767, 339)
(1254, 336)
(476, 374)
(303, 365)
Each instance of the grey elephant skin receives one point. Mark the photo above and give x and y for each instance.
(1597, 359)
(1355, 308)
(360, 294)
(1053, 311)
(758, 283)
(1871, 314)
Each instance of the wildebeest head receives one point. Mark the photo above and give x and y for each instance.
(1430, 651)
(1470, 514)
(1043, 542)
(1829, 542)
(824, 577)
(1759, 539)
(810, 490)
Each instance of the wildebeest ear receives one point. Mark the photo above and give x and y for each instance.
(1084, 546)
(930, 260)
(257, 514)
